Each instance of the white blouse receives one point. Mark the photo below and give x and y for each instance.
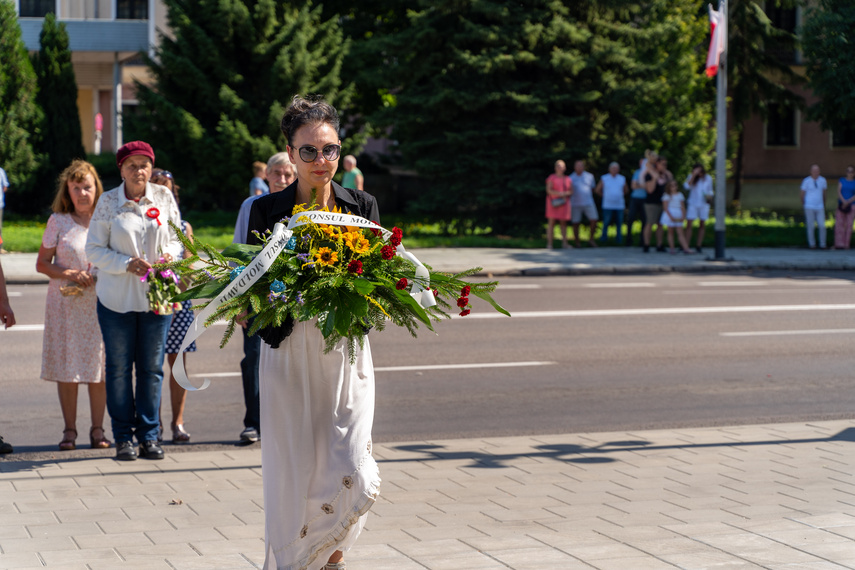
(122, 229)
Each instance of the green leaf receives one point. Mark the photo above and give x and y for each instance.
(487, 297)
(245, 253)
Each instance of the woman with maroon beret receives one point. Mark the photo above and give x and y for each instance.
(128, 233)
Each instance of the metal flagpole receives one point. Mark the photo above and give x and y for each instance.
(721, 145)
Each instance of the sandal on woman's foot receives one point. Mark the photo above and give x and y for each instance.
(67, 443)
(335, 566)
(98, 442)
(179, 434)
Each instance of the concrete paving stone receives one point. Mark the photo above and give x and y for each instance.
(496, 543)
(101, 480)
(132, 526)
(414, 497)
(256, 517)
(13, 496)
(233, 546)
(134, 487)
(381, 509)
(60, 505)
(143, 551)
(705, 516)
(779, 555)
(400, 563)
(820, 565)
(127, 500)
(596, 552)
(472, 560)
(708, 560)
(373, 552)
(844, 531)
(764, 511)
(20, 560)
(507, 515)
(512, 503)
(535, 558)
(231, 561)
(449, 546)
(827, 521)
(638, 519)
(44, 544)
(383, 524)
(42, 517)
(214, 508)
(150, 564)
(183, 535)
(807, 536)
(830, 550)
(197, 485)
(96, 515)
(64, 529)
(169, 496)
(436, 533)
(386, 536)
(701, 530)
(112, 540)
(634, 562)
(673, 545)
(591, 522)
(12, 531)
(630, 506)
(234, 532)
(254, 483)
(163, 510)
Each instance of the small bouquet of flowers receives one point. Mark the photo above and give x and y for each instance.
(162, 287)
(351, 278)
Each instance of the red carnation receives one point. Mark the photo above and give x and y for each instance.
(376, 231)
(465, 291)
(465, 312)
(436, 292)
(401, 284)
(462, 302)
(395, 238)
(355, 267)
(388, 252)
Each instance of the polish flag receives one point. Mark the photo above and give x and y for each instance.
(718, 40)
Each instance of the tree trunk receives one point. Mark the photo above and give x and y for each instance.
(737, 174)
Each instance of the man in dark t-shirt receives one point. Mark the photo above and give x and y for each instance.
(655, 179)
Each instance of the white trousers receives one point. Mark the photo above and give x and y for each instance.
(815, 218)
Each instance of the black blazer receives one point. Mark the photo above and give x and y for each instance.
(271, 209)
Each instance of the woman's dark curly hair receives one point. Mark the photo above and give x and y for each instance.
(307, 111)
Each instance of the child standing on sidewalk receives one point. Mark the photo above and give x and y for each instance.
(673, 215)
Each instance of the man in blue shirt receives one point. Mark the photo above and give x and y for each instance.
(582, 201)
(280, 174)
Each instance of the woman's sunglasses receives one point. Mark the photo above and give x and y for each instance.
(164, 173)
(309, 153)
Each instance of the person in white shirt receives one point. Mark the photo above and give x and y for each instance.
(700, 187)
(813, 200)
(280, 174)
(128, 232)
(582, 201)
(613, 188)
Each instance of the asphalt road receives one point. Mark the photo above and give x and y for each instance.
(580, 354)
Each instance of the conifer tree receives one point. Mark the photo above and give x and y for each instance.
(61, 139)
(828, 48)
(757, 76)
(487, 94)
(19, 112)
(223, 82)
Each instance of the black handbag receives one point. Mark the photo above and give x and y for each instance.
(558, 202)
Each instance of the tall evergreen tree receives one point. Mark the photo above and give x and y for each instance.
(19, 112)
(757, 75)
(487, 94)
(223, 82)
(828, 48)
(61, 139)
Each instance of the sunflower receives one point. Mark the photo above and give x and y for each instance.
(326, 256)
(356, 242)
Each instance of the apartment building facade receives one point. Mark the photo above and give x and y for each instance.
(105, 38)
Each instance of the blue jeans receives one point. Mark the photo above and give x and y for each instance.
(249, 375)
(608, 215)
(134, 340)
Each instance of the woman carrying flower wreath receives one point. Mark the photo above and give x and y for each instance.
(129, 232)
(317, 408)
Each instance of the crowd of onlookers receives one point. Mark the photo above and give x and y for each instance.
(654, 198)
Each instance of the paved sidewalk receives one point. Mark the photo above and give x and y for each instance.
(21, 267)
(778, 496)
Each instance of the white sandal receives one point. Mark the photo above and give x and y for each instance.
(335, 566)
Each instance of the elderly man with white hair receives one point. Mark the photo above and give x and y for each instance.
(280, 175)
(613, 188)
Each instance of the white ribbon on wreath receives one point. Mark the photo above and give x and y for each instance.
(265, 258)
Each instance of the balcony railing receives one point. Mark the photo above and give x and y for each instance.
(85, 9)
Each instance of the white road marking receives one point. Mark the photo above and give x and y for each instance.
(519, 286)
(411, 368)
(15, 294)
(659, 311)
(787, 333)
(732, 283)
(618, 285)
(462, 366)
(23, 328)
(710, 292)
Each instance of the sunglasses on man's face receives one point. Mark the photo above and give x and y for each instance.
(309, 153)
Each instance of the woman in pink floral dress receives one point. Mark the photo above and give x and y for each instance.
(73, 352)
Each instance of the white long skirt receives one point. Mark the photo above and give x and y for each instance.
(320, 478)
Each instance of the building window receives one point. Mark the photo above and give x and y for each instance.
(843, 137)
(132, 9)
(785, 19)
(782, 126)
(37, 8)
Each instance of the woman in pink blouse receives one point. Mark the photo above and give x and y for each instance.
(558, 192)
